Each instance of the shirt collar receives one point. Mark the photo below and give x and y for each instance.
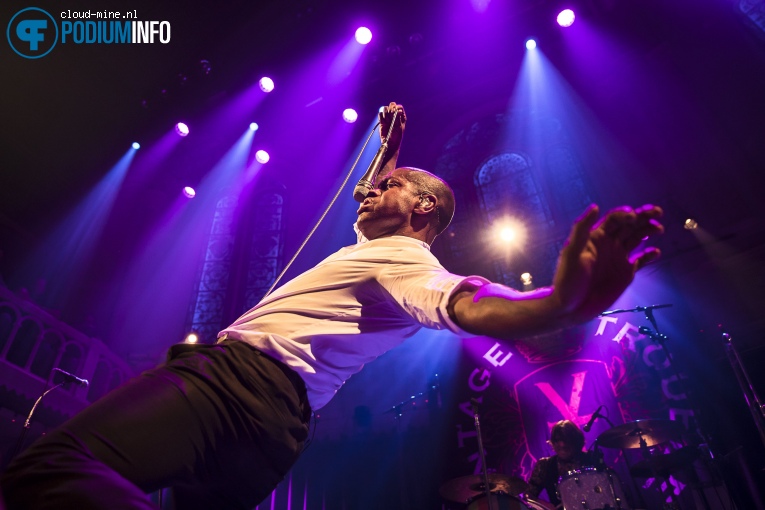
(360, 239)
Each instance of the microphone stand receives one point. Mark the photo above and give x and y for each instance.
(27, 426)
(482, 456)
(661, 339)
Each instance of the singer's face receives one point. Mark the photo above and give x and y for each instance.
(387, 210)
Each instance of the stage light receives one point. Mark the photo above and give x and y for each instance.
(182, 129)
(690, 224)
(507, 234)
(566, 18)
(191, 338)
(531, 44)
(526, 279)
(254, 126)
(266, 84)
(189, 192)
(262, 157)
(350, 116)
(363, 35)
(136, 145)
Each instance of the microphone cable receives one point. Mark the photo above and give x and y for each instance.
(324, 214)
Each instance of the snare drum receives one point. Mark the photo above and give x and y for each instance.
(591, 489)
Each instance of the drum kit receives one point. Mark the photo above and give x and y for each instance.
(588, 488)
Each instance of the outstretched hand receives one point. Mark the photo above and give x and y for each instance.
(597, 263)
(386, 116)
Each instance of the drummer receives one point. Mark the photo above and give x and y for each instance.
(567, 440)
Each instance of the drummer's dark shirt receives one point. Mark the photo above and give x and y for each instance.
(548, 470)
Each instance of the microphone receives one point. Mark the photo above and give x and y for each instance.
(72, 378)
(594, 416)
(366, 183)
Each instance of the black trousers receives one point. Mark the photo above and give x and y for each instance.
(220, 424)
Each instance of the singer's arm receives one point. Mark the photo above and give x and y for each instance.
(594, 268)
(397, 135)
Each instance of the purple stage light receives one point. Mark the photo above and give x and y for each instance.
(182, 129)
(566, 18)
(136, 145)
(363, 35)
(262, 156)
(350, 116)
(189, 192)
(531, 44)
(480, 5)
(254, 126)
(266, 84)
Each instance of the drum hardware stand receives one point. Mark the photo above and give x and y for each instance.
(755, 405)
(482, 456)
(661, 339)
(753, 402)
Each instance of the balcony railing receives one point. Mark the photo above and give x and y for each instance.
(32, 343)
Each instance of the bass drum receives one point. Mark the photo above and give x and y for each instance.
(502, 501)
(591, 489)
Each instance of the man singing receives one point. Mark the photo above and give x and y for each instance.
(222, 424)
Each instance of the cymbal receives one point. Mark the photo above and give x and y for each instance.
(629, 434)
(664, 464)
(465, 488)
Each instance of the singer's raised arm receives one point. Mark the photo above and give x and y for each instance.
(397, 135)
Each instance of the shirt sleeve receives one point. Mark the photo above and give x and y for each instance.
(537, 479)
(424, 289)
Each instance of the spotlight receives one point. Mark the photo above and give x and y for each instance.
(136, 145)
(266, 84)
(507, 234)
(363, 35)
(254, 126)
(350, 116)
(690, 224)
(262, 157)
(191, 338)
(531, 44)
(526, 278)
(189, 192)
(182, 129)
(566, 18)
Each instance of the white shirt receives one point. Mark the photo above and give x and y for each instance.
(349, 309)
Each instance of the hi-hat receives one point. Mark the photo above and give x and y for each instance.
(652, 432)
(465, 488)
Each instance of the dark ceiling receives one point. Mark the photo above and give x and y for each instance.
(698, 133)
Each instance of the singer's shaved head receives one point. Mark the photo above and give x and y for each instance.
(409, 202)
(426, 182)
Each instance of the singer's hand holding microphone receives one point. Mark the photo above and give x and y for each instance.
(394, 115)
(397, 134)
